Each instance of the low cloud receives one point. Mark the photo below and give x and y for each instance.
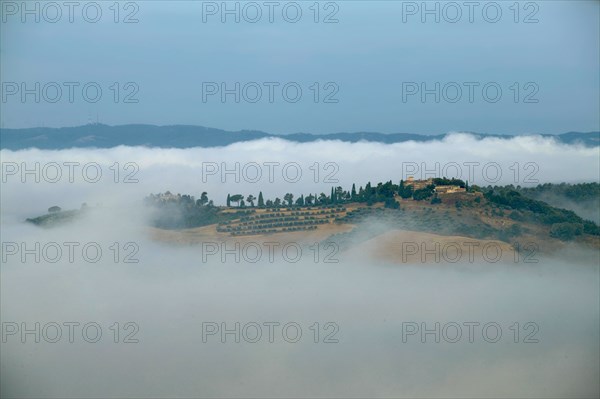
(171, 294)
(277, 166)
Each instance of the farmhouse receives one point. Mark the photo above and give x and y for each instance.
(449, 189)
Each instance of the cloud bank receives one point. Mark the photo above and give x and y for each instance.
(277, 166)
(362, 345)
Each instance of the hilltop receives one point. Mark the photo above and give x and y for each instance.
(432, 210)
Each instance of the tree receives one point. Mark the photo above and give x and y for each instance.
(566, 231)
(386, 190)
(369, 194)
(423, 193)
(261, 202)
(391, 203)
(309, 199)
(54, 209)
(332, 196)
(353, 194)
(322, 198)
(203, 199)
(289, 197)
(228, 200)
(277, 202)
(251, 199)
(237, 198)
(339, 194)
(405, 191)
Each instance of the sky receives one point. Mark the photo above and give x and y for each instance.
(374, 66)
(362, 66)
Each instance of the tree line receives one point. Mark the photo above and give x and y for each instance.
(370, 194)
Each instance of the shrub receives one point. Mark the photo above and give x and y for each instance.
(566, 231)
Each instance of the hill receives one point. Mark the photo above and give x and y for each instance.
(184, 136)
(375, 218)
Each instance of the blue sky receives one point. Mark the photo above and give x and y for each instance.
(548, 71)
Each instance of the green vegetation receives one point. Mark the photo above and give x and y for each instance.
(461, 212)
(575, 192)
(277, 220)
(533, 210)
(55, 217)
(443, 181)
(183, 211)
(424, 193)
(385, 193)
(566, 231)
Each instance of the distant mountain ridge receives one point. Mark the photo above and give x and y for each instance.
(185, 136)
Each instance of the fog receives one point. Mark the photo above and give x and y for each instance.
(176, 295)
(276, 167)
(587, 209)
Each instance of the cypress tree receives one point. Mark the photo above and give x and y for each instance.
(261, 202)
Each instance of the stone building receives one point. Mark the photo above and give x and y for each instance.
(449, 189)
